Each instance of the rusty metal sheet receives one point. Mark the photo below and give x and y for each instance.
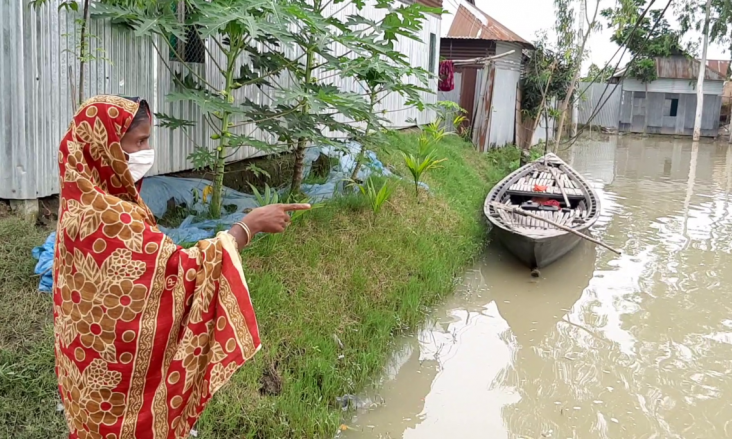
(720, 65)
(470, 22)
(483, 114)
(462, 48)
(681, 67)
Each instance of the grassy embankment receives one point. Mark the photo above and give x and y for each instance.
(330, 295)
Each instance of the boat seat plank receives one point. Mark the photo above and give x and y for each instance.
(552, 192)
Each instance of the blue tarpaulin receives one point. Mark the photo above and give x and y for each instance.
(44, 255)
(156, 191)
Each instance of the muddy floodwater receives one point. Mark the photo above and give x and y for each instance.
(600, 346)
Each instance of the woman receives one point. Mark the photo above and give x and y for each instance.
(145, 331)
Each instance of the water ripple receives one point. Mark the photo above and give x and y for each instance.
(602, 346)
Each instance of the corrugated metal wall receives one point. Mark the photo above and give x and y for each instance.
(665, 85)
(37, 48)
(636, 105)
(503, 102)
(508, 75)
(592, 97)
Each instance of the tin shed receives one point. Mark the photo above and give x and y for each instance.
(668, 104)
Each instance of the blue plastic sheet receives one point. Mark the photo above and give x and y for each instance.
(44, 255)
(156, 191)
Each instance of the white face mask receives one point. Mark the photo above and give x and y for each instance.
(140, 162)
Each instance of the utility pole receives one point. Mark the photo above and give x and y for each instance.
(702, 73)
(580, 36)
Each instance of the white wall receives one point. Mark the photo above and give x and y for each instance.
(507, 77)
(684, 86)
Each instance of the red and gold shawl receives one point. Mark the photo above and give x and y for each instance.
(145, 331)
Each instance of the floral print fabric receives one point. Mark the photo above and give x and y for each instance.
(145, 332)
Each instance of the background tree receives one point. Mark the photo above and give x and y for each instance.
(645, 37)
(597, 74)
(546, 81)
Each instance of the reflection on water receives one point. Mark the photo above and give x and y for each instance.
(601, 346)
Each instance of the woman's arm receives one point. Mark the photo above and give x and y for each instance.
(272, 218)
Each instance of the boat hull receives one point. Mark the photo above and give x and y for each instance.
(537, 253)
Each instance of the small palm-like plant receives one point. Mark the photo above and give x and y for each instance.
(434, 131)
(419, 164)
(376, 198)
(269, 196)
(457, 122)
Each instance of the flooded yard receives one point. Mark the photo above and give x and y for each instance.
(600, 346)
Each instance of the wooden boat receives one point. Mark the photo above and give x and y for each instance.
(529, 189)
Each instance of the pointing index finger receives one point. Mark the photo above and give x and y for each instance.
(291, 207)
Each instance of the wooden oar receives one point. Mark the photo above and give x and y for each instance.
(559, 185)
(555, 224)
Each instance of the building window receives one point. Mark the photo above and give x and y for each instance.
(192, 50)
(433, 53)
(670, 107)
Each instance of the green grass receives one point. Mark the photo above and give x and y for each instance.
(28, 389)
(339, 274)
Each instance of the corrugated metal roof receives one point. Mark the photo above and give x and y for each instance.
(721, 66)
(680, 67)
(470, 22)
(463, 48)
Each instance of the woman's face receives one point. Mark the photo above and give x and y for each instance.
(136, 139)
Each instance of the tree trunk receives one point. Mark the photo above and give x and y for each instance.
(546, 130)
(82, 51)
(526, 152)
(700, 79)
(218, 183)
(576, 76)
(563, 110)
(297, 170)
(302, 142)
(362, 151)
(580, 34)
(221, 151)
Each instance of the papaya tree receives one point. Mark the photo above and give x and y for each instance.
(371, 59)
(250, 43)
(283, 50)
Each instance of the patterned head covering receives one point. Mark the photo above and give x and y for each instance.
(145, 332)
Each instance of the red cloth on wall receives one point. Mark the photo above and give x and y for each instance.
(447, 76)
